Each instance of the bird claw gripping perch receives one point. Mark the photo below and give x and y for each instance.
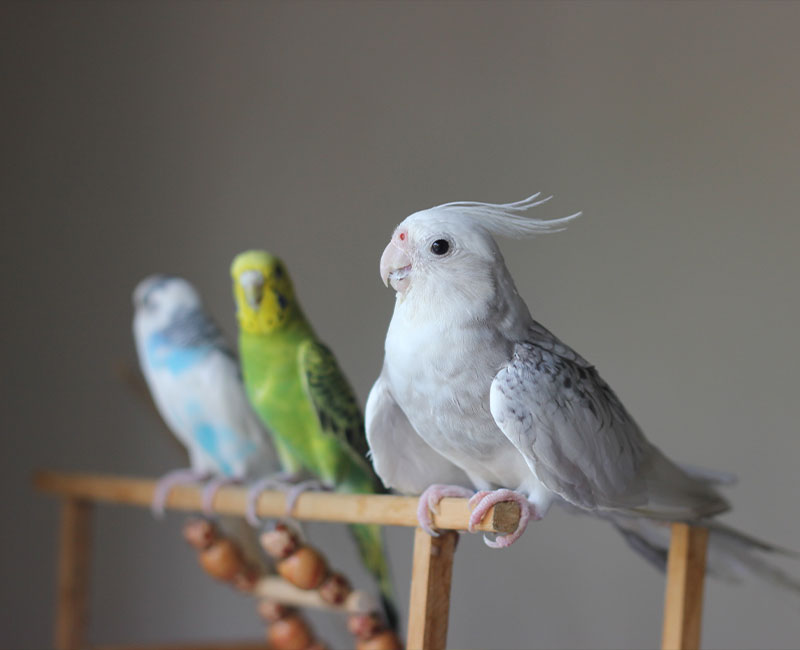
(284, 481)
(295, 491)
(252, 499)
(481, 502)
(211, 489)
(170, 480)
(429, 503)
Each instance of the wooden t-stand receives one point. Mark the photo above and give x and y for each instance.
(74, 553)
(686, 569)
(433, 556)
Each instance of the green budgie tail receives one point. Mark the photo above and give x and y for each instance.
(370, 547)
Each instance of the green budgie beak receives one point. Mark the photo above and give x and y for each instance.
(253, 286)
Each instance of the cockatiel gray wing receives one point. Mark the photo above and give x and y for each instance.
(402, 459)
(581, 443)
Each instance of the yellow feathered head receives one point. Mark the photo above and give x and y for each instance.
(263, 292)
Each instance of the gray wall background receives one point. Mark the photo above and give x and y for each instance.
(167, 137)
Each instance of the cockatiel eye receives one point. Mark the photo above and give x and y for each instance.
(440, 247)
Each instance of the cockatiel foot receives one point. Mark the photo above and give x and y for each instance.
(483, 501)
(169, 481)
(211, 489)
(429, 503)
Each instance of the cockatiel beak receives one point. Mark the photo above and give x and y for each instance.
(395, 267)
(253, 286)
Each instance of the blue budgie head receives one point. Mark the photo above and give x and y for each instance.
(158, 298)
(171, 326)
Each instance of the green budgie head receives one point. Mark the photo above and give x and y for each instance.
(263, 292)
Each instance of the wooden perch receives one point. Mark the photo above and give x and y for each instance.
(384, 510)
(276, 588)
(432, 567)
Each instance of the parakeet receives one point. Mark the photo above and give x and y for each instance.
(197, 387)
(302, 396)
(474, 393)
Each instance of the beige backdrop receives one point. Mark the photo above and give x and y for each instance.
(168, 137)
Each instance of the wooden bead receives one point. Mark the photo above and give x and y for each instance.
(272, 610)
(364, 626)
(305, 568)
(279, 543)
(222, 560)
(335, 589)
(290, 633)
(199, 533)
(246, 579)
(386, 640)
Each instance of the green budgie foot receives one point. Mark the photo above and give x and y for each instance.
(296, 490)
(287, 482)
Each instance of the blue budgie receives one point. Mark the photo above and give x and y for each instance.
(196, 384)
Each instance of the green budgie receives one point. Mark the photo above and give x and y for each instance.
(301, 395)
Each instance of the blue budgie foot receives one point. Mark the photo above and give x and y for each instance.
(211, 489)
(429, 503)
(169, 481)
(482, 502)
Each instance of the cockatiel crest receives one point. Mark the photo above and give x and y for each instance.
(448, 250)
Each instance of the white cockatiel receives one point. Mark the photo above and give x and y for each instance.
(474, 393)
(499, 396)
(197, 386)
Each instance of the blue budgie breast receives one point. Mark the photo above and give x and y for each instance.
(229, 449)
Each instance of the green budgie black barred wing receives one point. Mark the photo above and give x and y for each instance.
(339, 415)
(333, 398)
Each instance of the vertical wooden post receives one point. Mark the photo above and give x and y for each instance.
(683, 602)
(73, 574)
(431, 574)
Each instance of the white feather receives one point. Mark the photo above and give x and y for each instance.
(502, 219)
